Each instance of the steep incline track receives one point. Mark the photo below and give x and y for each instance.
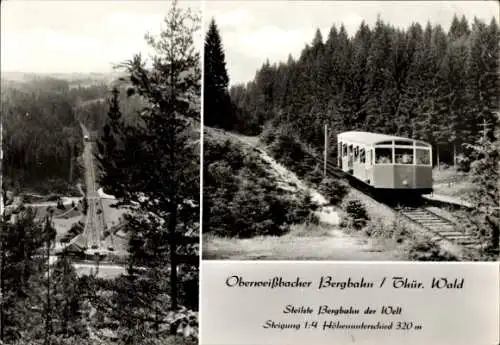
(93, 231)
(442, 228)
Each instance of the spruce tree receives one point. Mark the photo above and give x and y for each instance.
(23, 278)
(152, 165)
(484, 177)
(216, 110)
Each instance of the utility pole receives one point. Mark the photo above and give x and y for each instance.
(485, 126)
(326, 150)
(48, 320)
(1, 171)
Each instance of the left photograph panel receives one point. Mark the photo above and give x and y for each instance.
(100, 172)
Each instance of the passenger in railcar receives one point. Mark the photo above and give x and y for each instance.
(406, 158)
(350, 159)
(423, 157)
(403, 156)
(383, 156)
(383, 160)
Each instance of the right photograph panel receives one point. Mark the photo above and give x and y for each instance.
(353, 131)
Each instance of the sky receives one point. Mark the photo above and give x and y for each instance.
(253, 31)
(67, 36)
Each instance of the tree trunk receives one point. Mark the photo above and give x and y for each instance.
(437, 153)
(2, 282)
(172, 222)
(495, 233)
(47, 320)
(454, 156)
(173, 255)
(71, 163)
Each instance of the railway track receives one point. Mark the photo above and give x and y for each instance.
(92, 234)
(414, 210)
(441, 227)
(96, 220)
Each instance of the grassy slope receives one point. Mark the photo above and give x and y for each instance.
(449, 182)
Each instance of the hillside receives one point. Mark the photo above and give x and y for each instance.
(41, 134)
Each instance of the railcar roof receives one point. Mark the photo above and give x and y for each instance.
(369, 138)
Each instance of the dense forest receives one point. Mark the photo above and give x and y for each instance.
(42, 136)
(420, 81)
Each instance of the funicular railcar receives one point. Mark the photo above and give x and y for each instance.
(386, 162)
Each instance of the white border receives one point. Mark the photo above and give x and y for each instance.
(200, 227)
(367, 262)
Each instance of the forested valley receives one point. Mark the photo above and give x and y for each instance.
(140, 287)
(42, 138)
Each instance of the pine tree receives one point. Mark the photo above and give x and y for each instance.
(379, 95)
(66, 300)
(152, 165)
(23, 278)
(484, 175)
(216, 107)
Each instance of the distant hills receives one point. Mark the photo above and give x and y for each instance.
(74, 79)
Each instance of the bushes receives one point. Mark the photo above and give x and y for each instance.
(378, 229)
(288, 150)
(76, 229)
(85, 206)
(423, 249)
(60, 204)
(242, 200)
(302, 212)
(334, 190)
(357, 216)
(315, 176)
(268, 134)
(417, 247)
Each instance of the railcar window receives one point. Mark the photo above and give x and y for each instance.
(404, 156)
(356, 153)
(423, 157)
(350, 150)
(362, 156)
(389, 142)
(403, 142)
(383, 155)
(344, 150)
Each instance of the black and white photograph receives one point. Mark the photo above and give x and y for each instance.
(351, 130)
(101, 123)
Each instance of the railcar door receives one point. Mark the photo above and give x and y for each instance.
(370, 160)
(363, 164)
(350, 159)
(345, 156)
